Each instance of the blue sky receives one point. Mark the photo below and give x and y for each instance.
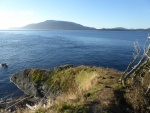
(93, 13)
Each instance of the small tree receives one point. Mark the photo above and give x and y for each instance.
(143, 63)
(141, 69)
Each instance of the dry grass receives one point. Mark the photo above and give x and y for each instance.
(86, 80)
(81, 86)
(53, 107)
(91, 89)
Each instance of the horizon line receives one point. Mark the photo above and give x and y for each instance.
(19, 28)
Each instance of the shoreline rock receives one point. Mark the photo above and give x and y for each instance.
(95, 88)
(25, 81)
(33, 81)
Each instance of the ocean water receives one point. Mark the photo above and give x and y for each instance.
(49, 49)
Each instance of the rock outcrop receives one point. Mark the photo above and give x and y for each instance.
(35, 82)
(32, 81)
(60, 68)
(83, 89)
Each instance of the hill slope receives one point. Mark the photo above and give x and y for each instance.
(81, 89)
(57, 25)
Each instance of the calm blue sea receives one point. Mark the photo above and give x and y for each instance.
(48, 49)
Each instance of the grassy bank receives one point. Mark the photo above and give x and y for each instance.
(85, 89)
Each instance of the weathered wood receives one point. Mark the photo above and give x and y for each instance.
(14, 103)
(134, 69)
(137, 67)
(148, 90)
(31, 107)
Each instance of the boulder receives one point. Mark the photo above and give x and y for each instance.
(32, 81)
(39, 82)
(4, 65)
(60, 68)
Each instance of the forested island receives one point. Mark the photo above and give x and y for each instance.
(65, 25)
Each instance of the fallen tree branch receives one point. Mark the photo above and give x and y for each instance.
(136, 55)
(137, 67)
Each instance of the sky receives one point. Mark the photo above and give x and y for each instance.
(92, 13)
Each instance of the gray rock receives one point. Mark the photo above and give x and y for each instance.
(60, 68)
(34, 82)
(29, 84)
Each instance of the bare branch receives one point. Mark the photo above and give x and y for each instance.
(145, 58)
(135, 56)
(148, 90)
(144, 47)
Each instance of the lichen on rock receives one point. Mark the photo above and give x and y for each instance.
(32, 81)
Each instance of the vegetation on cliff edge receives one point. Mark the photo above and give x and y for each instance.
(86, 89)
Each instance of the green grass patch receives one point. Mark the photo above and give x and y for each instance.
(118, 86)
(68, 108)
(95, 89)
(62, 80)
(80, 109)
(64, 108)
(41, 110)
(39, 75)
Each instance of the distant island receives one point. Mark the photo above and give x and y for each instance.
(123, 29)
(56, 25)
(65, 25)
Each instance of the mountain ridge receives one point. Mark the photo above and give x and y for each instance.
(67, 25)
(56, 25)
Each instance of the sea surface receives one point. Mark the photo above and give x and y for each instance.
(49, 49)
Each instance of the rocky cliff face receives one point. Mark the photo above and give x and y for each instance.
(34, 82)
(85, 89)
(31, 81)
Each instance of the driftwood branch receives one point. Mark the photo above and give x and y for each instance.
(141, 69)
(136, 55)
(148, 90)
(145, 58)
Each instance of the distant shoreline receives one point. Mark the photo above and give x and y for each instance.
(74, 30)
(66, 25)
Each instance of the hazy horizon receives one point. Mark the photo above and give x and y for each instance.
(73, 22)
(92, 13)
